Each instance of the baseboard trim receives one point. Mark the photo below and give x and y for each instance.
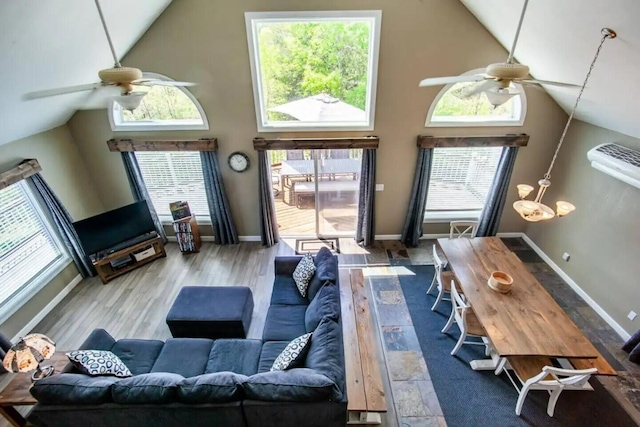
(388, 237)
(47, 308)
(607, 318)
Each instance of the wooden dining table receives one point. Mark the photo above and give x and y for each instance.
(524, 322)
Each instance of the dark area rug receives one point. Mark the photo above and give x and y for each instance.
(312, 246)
(480, 398)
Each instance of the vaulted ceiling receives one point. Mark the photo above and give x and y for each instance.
(51, 44)
(558, 41)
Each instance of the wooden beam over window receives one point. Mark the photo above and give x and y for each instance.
(24, 170)
(205, 144)
(315, 143)
(511, 140)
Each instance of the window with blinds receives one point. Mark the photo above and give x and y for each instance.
(460, 180)
(27, 246)
(174, 176)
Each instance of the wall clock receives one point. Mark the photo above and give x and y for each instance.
(238, 161)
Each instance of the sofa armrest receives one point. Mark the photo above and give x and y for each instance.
(286, 264)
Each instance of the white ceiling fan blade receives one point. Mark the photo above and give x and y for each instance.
(437, 81)
(547, 82)
(61, 91)
(478, 88)
(163, 83)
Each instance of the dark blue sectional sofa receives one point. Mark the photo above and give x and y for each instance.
(222, 382)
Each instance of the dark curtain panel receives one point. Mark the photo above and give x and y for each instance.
(62, 220)
(365, 229)
(139, 189)
(492, 211)
(222, 224)
(415, 214)
(268, 223)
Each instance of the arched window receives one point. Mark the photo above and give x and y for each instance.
(162, 108)
(451, 109)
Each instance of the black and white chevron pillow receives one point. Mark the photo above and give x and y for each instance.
(292, 353)
(303, 273)
(98, 362)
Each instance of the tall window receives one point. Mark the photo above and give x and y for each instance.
(460, 181)
(464, 104)
(29, 249)
(314, 70)
(172, 177)
(162, 108)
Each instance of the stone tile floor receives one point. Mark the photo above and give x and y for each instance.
(414, 398)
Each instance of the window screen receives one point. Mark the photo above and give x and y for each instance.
(27, 247)
(172, 177)
(461, 178)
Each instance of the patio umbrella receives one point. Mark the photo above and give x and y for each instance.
(321, 108)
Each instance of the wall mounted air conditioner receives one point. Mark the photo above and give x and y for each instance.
(620, 162)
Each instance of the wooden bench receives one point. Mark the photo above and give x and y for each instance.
(301, 188)
(600, 363)
(365, 392)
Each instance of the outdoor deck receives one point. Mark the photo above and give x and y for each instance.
(336, 218)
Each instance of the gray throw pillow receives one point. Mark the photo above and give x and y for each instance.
(292, 354)
(303, 273)
(98, 362)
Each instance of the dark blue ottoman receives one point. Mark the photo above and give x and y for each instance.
(211, 312)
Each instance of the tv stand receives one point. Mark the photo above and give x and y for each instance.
(113, 264)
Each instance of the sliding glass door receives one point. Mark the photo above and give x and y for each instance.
(316, 191)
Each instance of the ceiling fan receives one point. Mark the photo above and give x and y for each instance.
(497, 79)
(124, 78)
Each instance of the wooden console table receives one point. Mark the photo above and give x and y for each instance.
(153, 249)
(16, 393)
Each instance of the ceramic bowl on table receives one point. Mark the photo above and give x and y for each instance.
(500, 281)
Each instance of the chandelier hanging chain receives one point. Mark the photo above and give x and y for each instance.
(606, 34)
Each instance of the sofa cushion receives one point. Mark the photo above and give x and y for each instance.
(293, 354)
(294, 385)
(157, 387)
(138, 355)
(234, 355)
(326, 355)
(185, 356)
(303, 273)
(284, 323)
(98, 362)
(326, 303)
(217, 387)
(285, 292)
(326, 270)
(270, 351)
(73, 389)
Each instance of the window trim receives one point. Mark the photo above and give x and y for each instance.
(118, 125)
(429, 123)
(251, 20)
(47, 274)
(447, 216)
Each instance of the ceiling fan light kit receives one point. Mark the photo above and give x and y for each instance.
(535, 210)
(130, 101)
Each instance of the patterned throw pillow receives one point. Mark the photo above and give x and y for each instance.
(292, 353)
(303, 273)
(98, 362)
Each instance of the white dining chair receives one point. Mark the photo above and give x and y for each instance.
(462, 229)
(463, 315)
(441, 280)
(553, 380)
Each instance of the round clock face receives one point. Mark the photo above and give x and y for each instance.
(238, 161)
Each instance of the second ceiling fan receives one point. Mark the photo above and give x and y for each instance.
(124, 78)
(497, 79)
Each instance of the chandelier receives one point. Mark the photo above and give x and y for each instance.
(535, 210)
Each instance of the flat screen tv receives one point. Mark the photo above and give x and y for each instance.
(106, 230)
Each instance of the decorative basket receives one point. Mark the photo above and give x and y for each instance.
(500, 281)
